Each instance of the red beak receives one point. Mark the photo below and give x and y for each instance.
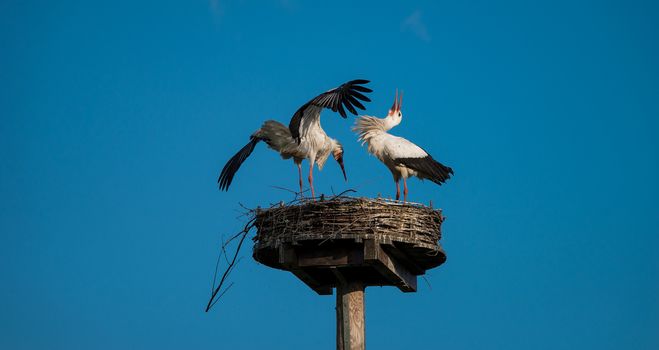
(398, 103)
(343, 169)
(394, 108)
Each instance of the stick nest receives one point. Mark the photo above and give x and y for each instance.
(352, 218)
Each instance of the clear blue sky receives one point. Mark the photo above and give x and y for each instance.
(117, 116)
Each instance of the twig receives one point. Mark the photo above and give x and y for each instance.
(242, 235)
(427, 282)
(344, 192)
(285, 189)
(217, 266)
(221, 294)
(223, 253)
(298, 195)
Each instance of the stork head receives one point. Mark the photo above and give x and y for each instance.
(337, 153)
(395, 116)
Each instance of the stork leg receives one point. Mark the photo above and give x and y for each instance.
(313, 194)
(299, 172)
(397, 189)
(404, 190)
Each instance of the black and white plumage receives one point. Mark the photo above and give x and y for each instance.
(403, 158)
(348, 94)
(277, 136)
(305, 125)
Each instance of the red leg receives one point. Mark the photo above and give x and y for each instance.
(397, 189)
(313, 194)
(404, 190)
(299, 171)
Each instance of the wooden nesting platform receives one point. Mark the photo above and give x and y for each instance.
(328, 242)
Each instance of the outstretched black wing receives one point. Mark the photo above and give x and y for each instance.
(232, 166)
(346, 96)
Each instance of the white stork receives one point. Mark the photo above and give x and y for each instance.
(402, 157)
(277, 136)
(305, 124)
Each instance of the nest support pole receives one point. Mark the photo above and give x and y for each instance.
(348, 244)
(350, 316)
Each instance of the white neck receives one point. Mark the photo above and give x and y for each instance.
(389, 122)
(324, 152)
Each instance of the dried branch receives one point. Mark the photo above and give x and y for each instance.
(242, 234)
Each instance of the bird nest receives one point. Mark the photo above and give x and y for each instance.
(414, 226)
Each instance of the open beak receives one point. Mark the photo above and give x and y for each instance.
(394, 108)
(343, 169)
(398, 103)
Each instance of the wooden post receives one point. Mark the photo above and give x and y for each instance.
(350, 316)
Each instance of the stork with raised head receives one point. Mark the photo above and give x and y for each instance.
(403, 158)
(277, 136)
(305, 125)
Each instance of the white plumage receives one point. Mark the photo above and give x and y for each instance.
(402, 157)
(306, 129)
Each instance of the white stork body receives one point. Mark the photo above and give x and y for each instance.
(306, 129)
(313, 139)
(388, 148)
(403, 158)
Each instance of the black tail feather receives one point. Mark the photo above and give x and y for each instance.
(428, 168)
(441, 173)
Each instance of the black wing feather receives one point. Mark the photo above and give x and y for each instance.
(342, 111)
(339, 99)
(348, 105)
(359, 82)
(361, 88)
(355, 102)
(232, 166)
(360, 96)
(428, 168)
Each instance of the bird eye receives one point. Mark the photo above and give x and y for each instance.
(399, 114)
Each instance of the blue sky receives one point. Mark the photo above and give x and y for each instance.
(116, 118)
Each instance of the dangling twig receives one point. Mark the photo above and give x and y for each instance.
(242, 234)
